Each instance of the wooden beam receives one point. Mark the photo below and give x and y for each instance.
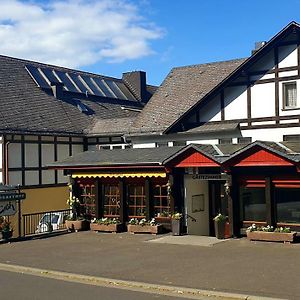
(147, 198)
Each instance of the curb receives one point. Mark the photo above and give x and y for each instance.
(130, 285)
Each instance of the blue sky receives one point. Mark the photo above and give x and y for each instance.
(149, 35)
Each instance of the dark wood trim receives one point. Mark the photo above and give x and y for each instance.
(249, 101)
(43, 186)
(23, 160)
(147, 198)
(85, 144)
(43, 142)
(99, 198)
(269, 126)
(55, 159)
(40, 159)
(272, 71)
(276, 60)
(298, 57)
(270, 80)
(222, 105)
(268, 197)
(4, 157)
(123, 201)
(70, 146)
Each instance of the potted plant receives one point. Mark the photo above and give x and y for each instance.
(74, 221)
(106, 225)
(270, 234)
(176, 223)
(220, 221)
(6, 230)
(144, 226)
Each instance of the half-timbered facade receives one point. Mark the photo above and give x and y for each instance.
(213, 116)
(194, 146)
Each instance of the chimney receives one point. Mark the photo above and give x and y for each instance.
(57, 89)
(257, 46)
(136, 82)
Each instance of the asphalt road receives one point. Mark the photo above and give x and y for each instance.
(28, 287)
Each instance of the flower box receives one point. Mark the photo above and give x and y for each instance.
(77, 225)
(6, 235)
(107, 227)
(271, 236)
(156, 229)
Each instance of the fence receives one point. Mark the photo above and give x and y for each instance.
(43, 222)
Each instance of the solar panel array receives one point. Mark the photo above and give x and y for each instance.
(78, 83)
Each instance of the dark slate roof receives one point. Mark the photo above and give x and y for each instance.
(26, 108)
(146, 156)
(163, 155)
(183, 88)
(213, 128)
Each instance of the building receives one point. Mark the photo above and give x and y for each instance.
(231, 127)
(233, 131)
(49, 113)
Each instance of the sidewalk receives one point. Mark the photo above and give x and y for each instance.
(235, 266)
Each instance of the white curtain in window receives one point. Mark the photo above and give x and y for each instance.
(291, 95)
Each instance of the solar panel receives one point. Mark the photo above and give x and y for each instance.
(78, 82)
(92, 86)
(104, 87)
(37, 76)
(115, 89)
(125, 90)
(49, 75)
(66, 81)
(74, 82)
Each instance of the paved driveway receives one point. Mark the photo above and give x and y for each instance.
(238, 266)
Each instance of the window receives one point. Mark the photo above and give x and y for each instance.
(179, 143)
(88, 200)
(253, 204)
(111, 201)
(289, 95)
(225, 141)
(161, 200)
(244, 140)
(136, 201)
(161, 144)
(291, 138)
(287, 205)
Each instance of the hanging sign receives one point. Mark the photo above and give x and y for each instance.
(12, 196)
(211, 176)
(8, 208)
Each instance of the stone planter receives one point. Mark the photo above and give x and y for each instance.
(176, 227)
(157, 229)
(77, 225)
(220, 229)
(6, 235)
(271, 236)
(107, 228)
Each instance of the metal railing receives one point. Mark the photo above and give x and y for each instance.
(43, 222)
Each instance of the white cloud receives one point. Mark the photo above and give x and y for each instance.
(75, 33)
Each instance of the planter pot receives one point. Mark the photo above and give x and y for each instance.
(157, 229)
(107, 228)
(6, 235)
(271, 236)
(220, 229)
(78, 225)
(176, 227)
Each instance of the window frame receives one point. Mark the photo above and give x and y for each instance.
(285, 105)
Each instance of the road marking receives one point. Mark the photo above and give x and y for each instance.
(130, 285)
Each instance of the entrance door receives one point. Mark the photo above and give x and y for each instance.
(196, 205)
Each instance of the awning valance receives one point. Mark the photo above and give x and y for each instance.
(121, 174)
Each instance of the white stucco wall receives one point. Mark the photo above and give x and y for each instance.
(235, 102)
(263, 100)
(287, 56)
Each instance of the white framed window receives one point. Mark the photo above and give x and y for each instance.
(290, 95)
